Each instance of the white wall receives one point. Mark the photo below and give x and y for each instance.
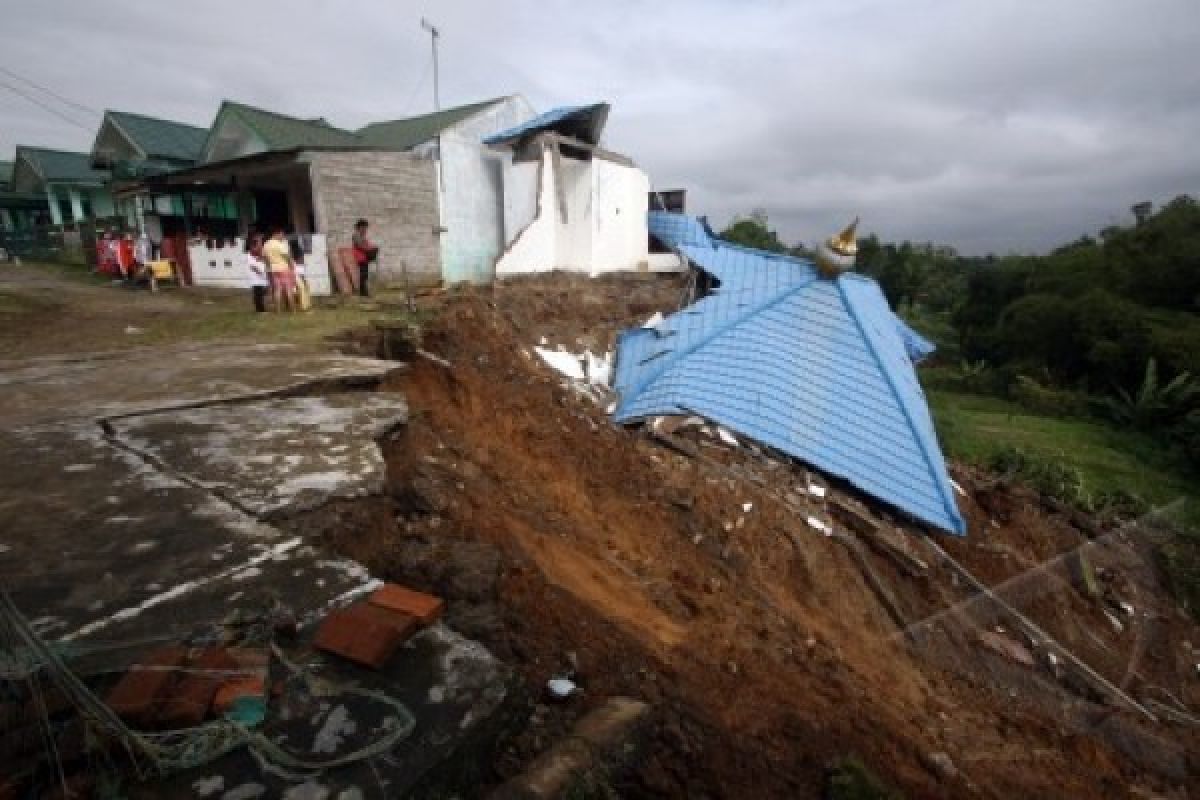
(605, 225)
(533, 248)
(619, 238)
(225, 267)
(573, 249)
(520, 196)
(471, 188)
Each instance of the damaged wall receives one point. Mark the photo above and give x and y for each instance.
(396, 192)
(589, 216)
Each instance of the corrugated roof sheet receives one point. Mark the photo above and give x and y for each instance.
(281, 132)
(162, 138)
(812, 367)
(60, 166)
(403, 134)
(585, 123)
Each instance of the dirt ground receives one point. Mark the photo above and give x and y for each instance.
(571, 546)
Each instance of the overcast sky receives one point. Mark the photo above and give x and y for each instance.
(990, 125)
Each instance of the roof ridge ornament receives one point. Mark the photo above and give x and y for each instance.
(837, 253)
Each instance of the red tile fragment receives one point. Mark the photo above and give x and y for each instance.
(186, 702)
(134, 696)
(364, 633)
(234, 689)
(424, 607)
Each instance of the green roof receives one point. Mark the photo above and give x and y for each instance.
(60, 166)
(6, 171)
(161, 138)
(281, 132)
(401, 134)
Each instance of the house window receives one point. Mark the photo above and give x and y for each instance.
(63, 198)
(85, 202)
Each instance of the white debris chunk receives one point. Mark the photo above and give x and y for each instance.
(599, 370)
(747, 507)
(820, 525)
(654, 321)
(957, 488)
(726, 437)
(816, 491)
(567, 364)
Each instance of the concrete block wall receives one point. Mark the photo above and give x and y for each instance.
(397, 193)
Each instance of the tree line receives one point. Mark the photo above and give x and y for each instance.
(1105, 325)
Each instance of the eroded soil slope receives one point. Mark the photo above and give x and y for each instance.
(695, 582)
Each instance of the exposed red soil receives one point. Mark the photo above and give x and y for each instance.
(565, 542)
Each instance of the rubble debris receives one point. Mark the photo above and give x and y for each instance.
(817, 368)
(424, 608)
(135, 696)
(561, 688)
(1008, 647)
(189, 699)
(1082, 574)
(606, 735)
(941, 765)
(364, 633)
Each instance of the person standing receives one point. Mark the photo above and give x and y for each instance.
(278, 256)
(257, 270)
(364, 253)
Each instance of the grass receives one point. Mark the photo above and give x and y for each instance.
(975, 428)
(242, 324)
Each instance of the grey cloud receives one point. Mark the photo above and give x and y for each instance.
(991, 125)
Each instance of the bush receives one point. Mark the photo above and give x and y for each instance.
(1052, 477)
(1040, 399)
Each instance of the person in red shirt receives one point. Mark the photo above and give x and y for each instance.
(364, 253)
(125, 260)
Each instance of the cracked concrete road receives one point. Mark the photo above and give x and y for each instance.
(137, 497)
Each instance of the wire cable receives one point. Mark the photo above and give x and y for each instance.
(51, 92)
(37, 102)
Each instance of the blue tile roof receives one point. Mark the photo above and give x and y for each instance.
(818, 369)
(582, 122)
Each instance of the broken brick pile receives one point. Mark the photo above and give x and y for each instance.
(369, 632)
(175, 687)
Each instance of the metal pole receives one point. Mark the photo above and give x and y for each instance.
(433, 38)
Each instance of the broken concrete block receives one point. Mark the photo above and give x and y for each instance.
(136, 694)
(365, 633)
(425, 608)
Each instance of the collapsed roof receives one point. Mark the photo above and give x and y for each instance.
(585, 123)
(817, 368)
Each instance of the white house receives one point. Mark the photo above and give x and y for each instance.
(568, 203)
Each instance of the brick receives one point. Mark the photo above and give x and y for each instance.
(425, 608)
(135, 695)
(250, 659)
(187, 701)
(364, 633)
(235, 689)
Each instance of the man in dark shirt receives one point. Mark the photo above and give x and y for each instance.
(364, 253)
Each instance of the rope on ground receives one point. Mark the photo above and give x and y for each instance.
(169, 751)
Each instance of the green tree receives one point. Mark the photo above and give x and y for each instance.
(754, 231)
